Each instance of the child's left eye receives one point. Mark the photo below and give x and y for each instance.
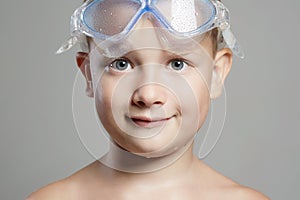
(178, 65)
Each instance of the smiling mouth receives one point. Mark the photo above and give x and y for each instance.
(148, 122)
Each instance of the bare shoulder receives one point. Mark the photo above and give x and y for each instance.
(57, 190)
(222, 187)
(233, 191)
(67, 188)
(246, 193)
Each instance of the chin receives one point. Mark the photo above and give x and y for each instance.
(152, 148)
(159, 141)
(144, 146)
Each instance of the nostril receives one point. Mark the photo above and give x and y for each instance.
(157, 102)
(145, 104)
(141, 103)
(148, 95)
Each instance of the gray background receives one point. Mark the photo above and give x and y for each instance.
(260, 142)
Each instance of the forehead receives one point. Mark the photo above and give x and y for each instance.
(204, 45)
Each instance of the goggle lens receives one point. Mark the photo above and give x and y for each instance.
(110, 17)
(185, 15)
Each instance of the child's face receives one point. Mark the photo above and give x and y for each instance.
(153, 101)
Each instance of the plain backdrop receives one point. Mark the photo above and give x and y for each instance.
(259, 146)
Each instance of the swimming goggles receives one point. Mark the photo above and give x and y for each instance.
(115, 19)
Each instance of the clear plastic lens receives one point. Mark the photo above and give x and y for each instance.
(185, 15)
(101, 19)
(110, 17)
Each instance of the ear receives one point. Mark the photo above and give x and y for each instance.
(223, 63)
(83, 63)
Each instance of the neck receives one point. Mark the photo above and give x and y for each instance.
(121, 163)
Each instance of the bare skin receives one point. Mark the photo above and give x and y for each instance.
(188, 178)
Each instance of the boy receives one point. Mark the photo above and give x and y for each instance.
(152, 68)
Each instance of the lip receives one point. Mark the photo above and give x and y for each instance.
(147, 122)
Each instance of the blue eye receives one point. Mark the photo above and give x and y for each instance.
(120, 65)
(177, 64)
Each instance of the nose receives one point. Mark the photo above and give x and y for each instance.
(149, 95)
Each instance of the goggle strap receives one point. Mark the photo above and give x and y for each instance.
(232, 43)
(223, 22)
(222, 16)
(72, 41)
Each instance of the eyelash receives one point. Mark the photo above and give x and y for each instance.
(128, 64)
(181, 61)
(114, 67)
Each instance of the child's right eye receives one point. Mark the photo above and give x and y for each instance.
(120, 65)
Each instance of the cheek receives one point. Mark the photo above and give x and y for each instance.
(103, 97)
(103, 100)
(200, 84)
